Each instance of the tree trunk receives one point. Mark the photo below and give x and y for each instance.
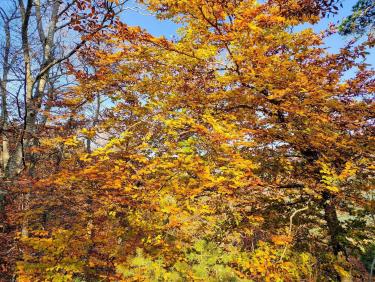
(334, 227)
(4, 148)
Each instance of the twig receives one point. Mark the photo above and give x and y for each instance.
(290, 228)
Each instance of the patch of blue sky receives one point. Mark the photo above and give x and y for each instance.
(137, 15)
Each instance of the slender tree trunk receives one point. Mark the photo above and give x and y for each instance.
(4, 148)
(16, 159)
(33, 103)
(4, 152)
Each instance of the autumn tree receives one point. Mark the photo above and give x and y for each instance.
(239, 150)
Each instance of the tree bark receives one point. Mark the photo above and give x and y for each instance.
(4, 148)
(334, 227)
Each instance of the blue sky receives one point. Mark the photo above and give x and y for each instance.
(140, 17)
